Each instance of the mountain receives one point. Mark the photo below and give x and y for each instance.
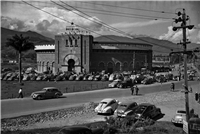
(10, 53)
(34, 37)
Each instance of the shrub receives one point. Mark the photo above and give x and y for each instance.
(126, 125)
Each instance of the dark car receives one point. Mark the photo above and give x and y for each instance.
(145, 110)
(125, 84)
(125, 108)
(47, 92)
(80, 130)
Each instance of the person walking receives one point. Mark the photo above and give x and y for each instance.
(20, 93)
(132, 90)
(136, 90)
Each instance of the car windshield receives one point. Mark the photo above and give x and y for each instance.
(181, 112)
(122, 105)
(140, 109)
(44, 89)
(103, 102)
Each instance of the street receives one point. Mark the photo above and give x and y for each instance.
(18, 107)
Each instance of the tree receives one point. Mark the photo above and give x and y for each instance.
(20, 44)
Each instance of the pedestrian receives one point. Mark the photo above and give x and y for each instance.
(172, 86)
(132, 90)
(136, 90)
(20, 93)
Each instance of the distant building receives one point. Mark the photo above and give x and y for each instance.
(82, 53)
(161, 61)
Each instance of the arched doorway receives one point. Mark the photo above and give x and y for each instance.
(101, 66)
(117, 66)
(71, 64)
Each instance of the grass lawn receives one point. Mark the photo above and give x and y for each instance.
(9, 89)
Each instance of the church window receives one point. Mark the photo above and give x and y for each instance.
(70, 42)
(85, 51)
(76, 43)
(67, 45)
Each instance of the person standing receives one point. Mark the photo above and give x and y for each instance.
(132, 90)
(20, 93)
(172, 86)
(136, 90)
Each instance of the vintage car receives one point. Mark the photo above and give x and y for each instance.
(125, 108)
(179, 117)
(145, 110)
(114, 83)
(125, 84)
(47, 92)
(80, 130)
(107, 106)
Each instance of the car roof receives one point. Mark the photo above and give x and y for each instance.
(50, 88)
(107, 100)
(127, 103)
(146, 104)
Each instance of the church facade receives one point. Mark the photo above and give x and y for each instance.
(84, 53)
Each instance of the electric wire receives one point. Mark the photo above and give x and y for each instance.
(98, 21)
(104, 12)
(129, 8)
(112, 27)
(85, 28)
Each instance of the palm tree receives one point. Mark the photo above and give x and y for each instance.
(20, 44)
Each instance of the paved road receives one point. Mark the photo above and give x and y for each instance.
(17, 107)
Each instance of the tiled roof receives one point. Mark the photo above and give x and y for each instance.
(119, 39)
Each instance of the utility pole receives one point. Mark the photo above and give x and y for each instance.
(183, 19)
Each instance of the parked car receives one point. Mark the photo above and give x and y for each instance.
(114, 83)
(107, 106)
(125, 84)
(145, 110)
(72, 77)
(179, 117)
(125, 108)
(148, 80)
(91, 78)
(80, 130)
(47, 92)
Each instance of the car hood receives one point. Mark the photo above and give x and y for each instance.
(101, 106)
(121, 109)
(39, 92)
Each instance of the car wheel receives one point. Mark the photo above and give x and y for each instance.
(111, 112)
(57, 95)
(39, 98)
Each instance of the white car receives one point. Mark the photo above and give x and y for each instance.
(179, 117)
(107, 106)
(114, 83)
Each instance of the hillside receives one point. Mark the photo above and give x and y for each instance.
(163, 47)
(9, 53)
(34, 37)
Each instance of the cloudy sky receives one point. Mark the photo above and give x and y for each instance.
(148, 18)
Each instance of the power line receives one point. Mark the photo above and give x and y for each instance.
(97, 21)
(108, 11)
(130, 8)
(86, 28)
(122, 32)
(93, 11)
(70, 22)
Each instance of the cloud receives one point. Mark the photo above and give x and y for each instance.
(176, 36)
(137, 24)
(47, 24)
